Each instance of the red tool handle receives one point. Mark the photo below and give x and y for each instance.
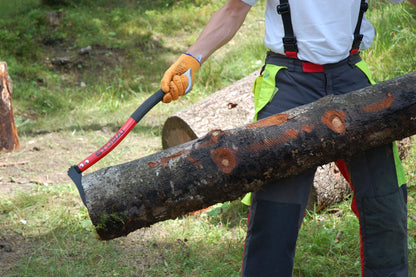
(126, 128)
(109, 146)
(122, 132)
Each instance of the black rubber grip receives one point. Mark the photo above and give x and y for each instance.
(147, 105)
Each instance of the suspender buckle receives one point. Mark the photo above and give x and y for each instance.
(290, 44)
(357, 36)
(283, 8)
(364, 6)
(357, 41)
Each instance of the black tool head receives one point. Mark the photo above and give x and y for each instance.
(76, 175)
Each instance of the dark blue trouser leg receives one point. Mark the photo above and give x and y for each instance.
(277, 209)
(275, 217)
(381, 205)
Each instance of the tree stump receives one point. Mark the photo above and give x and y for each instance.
(9, 139)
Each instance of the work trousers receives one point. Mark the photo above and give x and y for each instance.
(277, 209)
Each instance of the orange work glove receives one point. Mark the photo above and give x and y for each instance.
(174, 82)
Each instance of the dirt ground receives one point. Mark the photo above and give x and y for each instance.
(45, 158)
(42, 159)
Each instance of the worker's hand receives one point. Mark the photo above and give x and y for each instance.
(174, 82)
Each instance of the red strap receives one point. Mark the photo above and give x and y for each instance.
(306, 66)
(292, 54)
(312, 67)
(354, 51)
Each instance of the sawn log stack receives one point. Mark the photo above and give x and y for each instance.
(225, 164)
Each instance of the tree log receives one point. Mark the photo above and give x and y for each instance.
(224, 165)
(232, 107)
(9, 139)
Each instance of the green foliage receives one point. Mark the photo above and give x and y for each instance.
(55, 2)
(392, 52)
(132, 43)
(20, 40)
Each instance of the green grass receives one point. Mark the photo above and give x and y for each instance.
(319, 254)
(393, 51)
(60, 241)
(133, 43)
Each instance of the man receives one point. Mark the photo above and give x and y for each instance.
(314, 51)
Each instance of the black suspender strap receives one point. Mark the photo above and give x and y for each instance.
(289, 40)
(357, 36)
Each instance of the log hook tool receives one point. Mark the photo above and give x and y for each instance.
(75, 171)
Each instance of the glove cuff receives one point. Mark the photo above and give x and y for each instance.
(187, 61)
(197, 57)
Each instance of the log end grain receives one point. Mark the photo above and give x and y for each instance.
(176, 131)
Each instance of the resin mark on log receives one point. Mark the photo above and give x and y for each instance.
(380, 105)
(290, 134)
(212, 138)
(165, 160)
(195, 162)
(225, 158)
(335, 120)
(278, 119)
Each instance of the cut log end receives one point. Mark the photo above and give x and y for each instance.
(176, 131)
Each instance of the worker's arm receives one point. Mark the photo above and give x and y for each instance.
(221, 27)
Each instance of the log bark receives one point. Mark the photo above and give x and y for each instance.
(224, 165)
(232, 107)
(9, 139)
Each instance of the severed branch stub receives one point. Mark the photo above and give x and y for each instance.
(225, 164)
(9, 140)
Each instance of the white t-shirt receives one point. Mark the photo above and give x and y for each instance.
(324, 29)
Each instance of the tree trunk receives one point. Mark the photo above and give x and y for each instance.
(224, 165)
(9, 139)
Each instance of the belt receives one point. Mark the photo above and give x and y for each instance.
(295, 64)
